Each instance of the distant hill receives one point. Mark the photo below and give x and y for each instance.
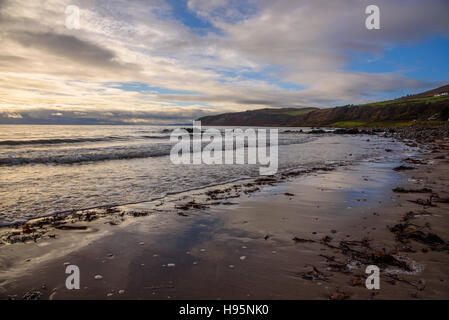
(260, 117)
(428, 94)
(429, 106)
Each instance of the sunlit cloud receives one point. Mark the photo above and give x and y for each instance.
(147, 62)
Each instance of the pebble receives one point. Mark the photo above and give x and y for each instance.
(171, 265)
(121, 291)
(242, 258)
(98, 277)
(110, 294)
(231, 266)
(203, 250)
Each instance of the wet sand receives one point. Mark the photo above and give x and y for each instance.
(304, 236)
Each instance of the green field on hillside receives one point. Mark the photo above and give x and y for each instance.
(404, 102)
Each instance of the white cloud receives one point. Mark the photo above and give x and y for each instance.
(304, 43)
(13, 115)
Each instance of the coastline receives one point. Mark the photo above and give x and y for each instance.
(238, 242)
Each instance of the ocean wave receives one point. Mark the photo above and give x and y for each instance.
(75, 140)
(156, 137)
(13, 220)
(79, 158)
(55, 141)
(80, 155)
(52, 141)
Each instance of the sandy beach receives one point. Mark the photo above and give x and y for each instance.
(224, 158)
(306, 234)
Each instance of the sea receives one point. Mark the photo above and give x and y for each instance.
(46, 169)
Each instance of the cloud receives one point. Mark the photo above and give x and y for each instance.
(13, 115)
(256, 54)
(107, 116)
(69, 47)
(206, 6)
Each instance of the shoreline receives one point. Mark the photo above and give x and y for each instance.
(63, 213)
(244, 185)
(348, 132)
(152, 226)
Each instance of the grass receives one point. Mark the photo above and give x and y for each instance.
(287, 111)
(355, 124)
(417, 100)
(430, 99)
(383, 124)
(390, 124)
(347, 124)
(401, 102)
(300, 111)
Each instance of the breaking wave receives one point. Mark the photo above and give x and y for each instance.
(80, 155)
(75, 140)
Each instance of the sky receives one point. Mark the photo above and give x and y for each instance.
(172, 61)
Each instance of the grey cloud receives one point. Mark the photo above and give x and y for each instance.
(70, 47)
(60, 116)
(306, 42)
(10, 62)
(289, 32)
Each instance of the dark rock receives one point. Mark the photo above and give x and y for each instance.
(346, 131)
(301, 240)
(402, 190)
(317, 131)
(401, 167)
